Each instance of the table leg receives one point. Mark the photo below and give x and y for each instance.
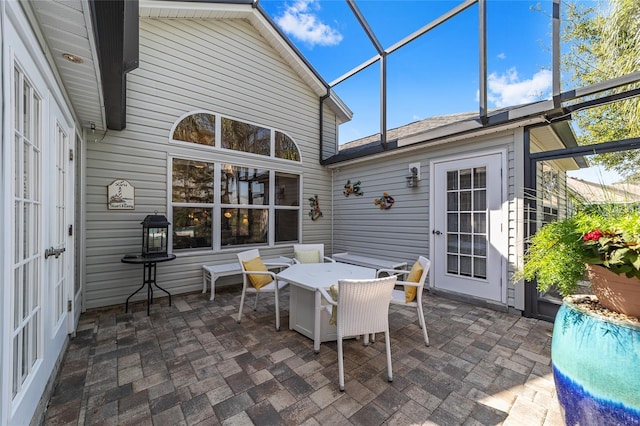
(152, 279)
(126, 305)
(316, 322)
(213, 286)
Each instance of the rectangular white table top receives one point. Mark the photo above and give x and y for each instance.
(370, 262)
(322, 275)
(312, 276)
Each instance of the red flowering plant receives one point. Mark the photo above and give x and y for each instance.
(605, 235)
(616, 250)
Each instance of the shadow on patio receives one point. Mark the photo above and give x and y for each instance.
(191, 363)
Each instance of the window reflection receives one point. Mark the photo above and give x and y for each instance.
(197, 128)
(243, 185)
(244, 226)
(287, 189)
(245, 137)
(286, 148)
(192, 181)
(191, 227)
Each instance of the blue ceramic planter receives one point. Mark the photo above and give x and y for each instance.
(596, 367)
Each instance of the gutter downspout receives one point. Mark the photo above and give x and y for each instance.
(320, 131)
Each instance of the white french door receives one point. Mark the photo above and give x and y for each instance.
(467, 219)
(41, 274)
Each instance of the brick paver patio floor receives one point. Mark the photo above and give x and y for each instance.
(191, 363)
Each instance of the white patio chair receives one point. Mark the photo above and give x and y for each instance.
(310, 253)
(256, 278)
(412, 280)
(362, 309)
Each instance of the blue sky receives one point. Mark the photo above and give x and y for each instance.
(437, 73)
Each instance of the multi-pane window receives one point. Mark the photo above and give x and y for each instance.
(220, 204)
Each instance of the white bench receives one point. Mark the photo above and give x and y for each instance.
(369, 262)
(210, 273)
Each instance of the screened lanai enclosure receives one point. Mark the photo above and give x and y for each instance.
(591, 87)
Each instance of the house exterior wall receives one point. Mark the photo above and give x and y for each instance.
(403, 232)
(218, 66)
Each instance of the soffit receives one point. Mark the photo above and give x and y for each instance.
(66, 27)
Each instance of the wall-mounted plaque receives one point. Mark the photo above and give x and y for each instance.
(120, 195)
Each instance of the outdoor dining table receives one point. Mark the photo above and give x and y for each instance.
(307, 314)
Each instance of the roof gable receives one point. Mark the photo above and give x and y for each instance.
(254, 14)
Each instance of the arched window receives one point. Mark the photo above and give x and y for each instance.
(200, 128)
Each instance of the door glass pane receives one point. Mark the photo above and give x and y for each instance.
(480, 200)
(480, 222)
(26, 116)
(452, 201)
(452, 243)
(465, 222)
(465, 266)
(480, 177)
(452, 222)
(465, 200)
(465, 179)
(15, 372)
(452, 180)
(480, 267)
(452, 264)
(479, 245)
(465, 244)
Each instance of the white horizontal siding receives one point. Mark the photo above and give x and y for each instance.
(224, 67)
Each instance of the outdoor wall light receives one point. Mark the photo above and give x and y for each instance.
(412, 180)
(155, 229)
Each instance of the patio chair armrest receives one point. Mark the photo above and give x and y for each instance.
(408, 283)
(329, 259)
(392, 272)
(325, 294)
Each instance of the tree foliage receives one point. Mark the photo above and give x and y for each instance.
(604, 43)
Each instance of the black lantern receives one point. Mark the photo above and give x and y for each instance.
(155, 229)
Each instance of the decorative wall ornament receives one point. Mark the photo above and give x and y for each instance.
(385, 202)
(352, 189)
(120, 195)
(315, 212)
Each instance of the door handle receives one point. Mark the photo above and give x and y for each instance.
(436, 232)
(53, 252)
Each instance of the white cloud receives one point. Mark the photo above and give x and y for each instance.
(299, 21)
(501, 56)
(507, 89)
